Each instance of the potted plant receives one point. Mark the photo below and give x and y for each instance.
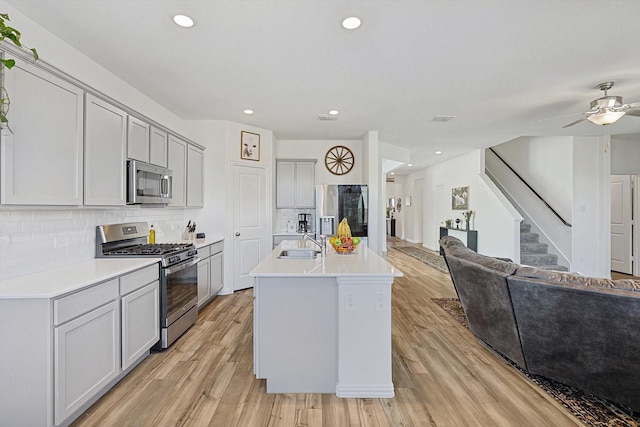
(448, 223)
(9, 33)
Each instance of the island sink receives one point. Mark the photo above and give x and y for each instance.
(299, 254)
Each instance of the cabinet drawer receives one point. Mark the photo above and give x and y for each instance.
(217, 247)
(74, 305)
(138, 279)
(204, 252)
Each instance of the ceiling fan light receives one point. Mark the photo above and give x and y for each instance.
(606, 118)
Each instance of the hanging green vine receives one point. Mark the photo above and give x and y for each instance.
(13, 35)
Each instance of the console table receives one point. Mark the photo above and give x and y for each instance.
(471, 241)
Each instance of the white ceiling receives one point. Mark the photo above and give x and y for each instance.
(499, 66)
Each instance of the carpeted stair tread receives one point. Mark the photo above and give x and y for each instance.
(525, 228)
(533, 248)
(539, 259)
(529, 237)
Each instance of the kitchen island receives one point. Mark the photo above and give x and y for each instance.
(323, 325)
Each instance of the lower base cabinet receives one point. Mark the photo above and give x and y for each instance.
(210, 272)
(87, 358)
(70, 350)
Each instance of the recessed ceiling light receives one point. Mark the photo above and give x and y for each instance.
(409, 164)
(334, 112)
(248, 112)
(183, 21)
(438, 152)
(351, 23)
(393, 173)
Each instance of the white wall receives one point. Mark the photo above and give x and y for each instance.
(492, 220)
(625, 155)
(396, 190)
(591, 249)
(545, 164)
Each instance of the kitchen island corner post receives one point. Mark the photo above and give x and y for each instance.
(364, 355)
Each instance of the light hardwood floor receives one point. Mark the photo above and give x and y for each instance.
(443, 375)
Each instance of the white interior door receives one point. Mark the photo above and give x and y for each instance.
(250, 223)
(621, 223)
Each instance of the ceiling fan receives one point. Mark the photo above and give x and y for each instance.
(608, 109)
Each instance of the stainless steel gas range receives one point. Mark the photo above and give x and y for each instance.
(178, 273)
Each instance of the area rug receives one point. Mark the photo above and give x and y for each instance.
(429, 258)
(591, 410)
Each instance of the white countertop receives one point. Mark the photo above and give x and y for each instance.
(291, 233)
(361, 262)
(63, 280)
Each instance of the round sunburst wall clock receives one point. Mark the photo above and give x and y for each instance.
(339, 160)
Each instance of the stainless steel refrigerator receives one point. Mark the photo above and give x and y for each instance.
(334, 202)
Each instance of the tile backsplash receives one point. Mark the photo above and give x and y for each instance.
(284, 215)
(41, 239)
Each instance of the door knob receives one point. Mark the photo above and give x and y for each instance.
(237, 233)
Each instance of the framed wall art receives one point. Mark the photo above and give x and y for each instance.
(249, 146)
(460, 198)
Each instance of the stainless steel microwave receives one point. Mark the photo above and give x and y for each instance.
(148, 184)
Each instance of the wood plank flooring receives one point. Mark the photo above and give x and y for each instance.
(443, 375)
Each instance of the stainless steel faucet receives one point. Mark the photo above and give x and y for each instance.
(322, 244)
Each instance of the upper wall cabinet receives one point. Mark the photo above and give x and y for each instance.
(42, 160)
(138, 139)
(178, 164)
(295, 183)
(104, 153)
(158, 141)
(195, 158)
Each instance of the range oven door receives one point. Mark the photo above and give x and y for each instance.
(178, 300)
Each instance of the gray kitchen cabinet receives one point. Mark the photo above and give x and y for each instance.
(87, 358)
(295, 184)
(41, 162)
(177, 158)
(71, 349)
(210, 272)
(195, 158)
(104, 153)
(158, 141)
(138, 139)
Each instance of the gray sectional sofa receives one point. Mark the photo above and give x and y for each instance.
(580, 331)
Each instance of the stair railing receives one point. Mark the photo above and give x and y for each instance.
(531, 188)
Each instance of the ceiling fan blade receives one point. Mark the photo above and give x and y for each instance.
(632, 112)
(563, 116)
(574, 123)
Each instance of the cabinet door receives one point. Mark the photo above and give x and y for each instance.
(204, 281)
(140, 322)
(41, 161)
(86, 358)
(305, 187)
(178, 164)
(217, 280)
(158, 147)
(285, 185)
(104, 153)
(138, 140)
(194, 177)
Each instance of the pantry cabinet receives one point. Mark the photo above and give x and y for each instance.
(295, 184)
(104, 153)
(41, 161)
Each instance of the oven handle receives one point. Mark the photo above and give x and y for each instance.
(179, 267)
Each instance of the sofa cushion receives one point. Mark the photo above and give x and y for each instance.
(561, 277)
(450, 241)
(463, 252)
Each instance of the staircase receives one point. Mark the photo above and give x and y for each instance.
(534, 253)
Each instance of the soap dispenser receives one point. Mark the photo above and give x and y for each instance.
(152, 236)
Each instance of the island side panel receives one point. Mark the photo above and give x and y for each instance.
(296, 334)
(364, 337)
